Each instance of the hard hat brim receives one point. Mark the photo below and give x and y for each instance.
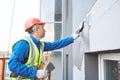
(41, 23)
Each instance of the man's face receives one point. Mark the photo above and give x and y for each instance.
(40, 30)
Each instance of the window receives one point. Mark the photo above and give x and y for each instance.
(109, 67)
(51, 13)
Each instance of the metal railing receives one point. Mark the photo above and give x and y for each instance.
(4, 71)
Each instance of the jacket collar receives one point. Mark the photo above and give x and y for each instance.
(35, 40)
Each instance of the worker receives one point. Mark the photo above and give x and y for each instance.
(26, 54)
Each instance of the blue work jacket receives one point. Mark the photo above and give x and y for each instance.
(20, 55)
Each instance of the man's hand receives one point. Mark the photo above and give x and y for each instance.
(41, 74)
(76, 34)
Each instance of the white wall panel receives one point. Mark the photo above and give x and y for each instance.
(105, 25)
(80, 9)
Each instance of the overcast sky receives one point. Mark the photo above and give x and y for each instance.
(22, 11)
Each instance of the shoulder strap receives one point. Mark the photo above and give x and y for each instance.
(31, 44)
(30, 47)
(17, 42)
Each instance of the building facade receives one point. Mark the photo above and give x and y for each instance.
(93, 56)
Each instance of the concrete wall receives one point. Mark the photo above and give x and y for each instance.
(105, 25)
(103, 35)
(91, 66)
(67, 30)
(79, 10)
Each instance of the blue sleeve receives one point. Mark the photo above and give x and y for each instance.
(18, 58)
(58, 44)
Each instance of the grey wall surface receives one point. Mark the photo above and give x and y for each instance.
(67, 30)
(81, 45)
(105, 25)
(56, 59)
(80, 9)
(91, 66)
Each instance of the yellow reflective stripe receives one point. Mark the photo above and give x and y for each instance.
(31, 53)
(12, 78)
(41, 52)
(34, 53)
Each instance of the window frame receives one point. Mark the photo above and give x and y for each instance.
(55, 22)
(102, 58)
